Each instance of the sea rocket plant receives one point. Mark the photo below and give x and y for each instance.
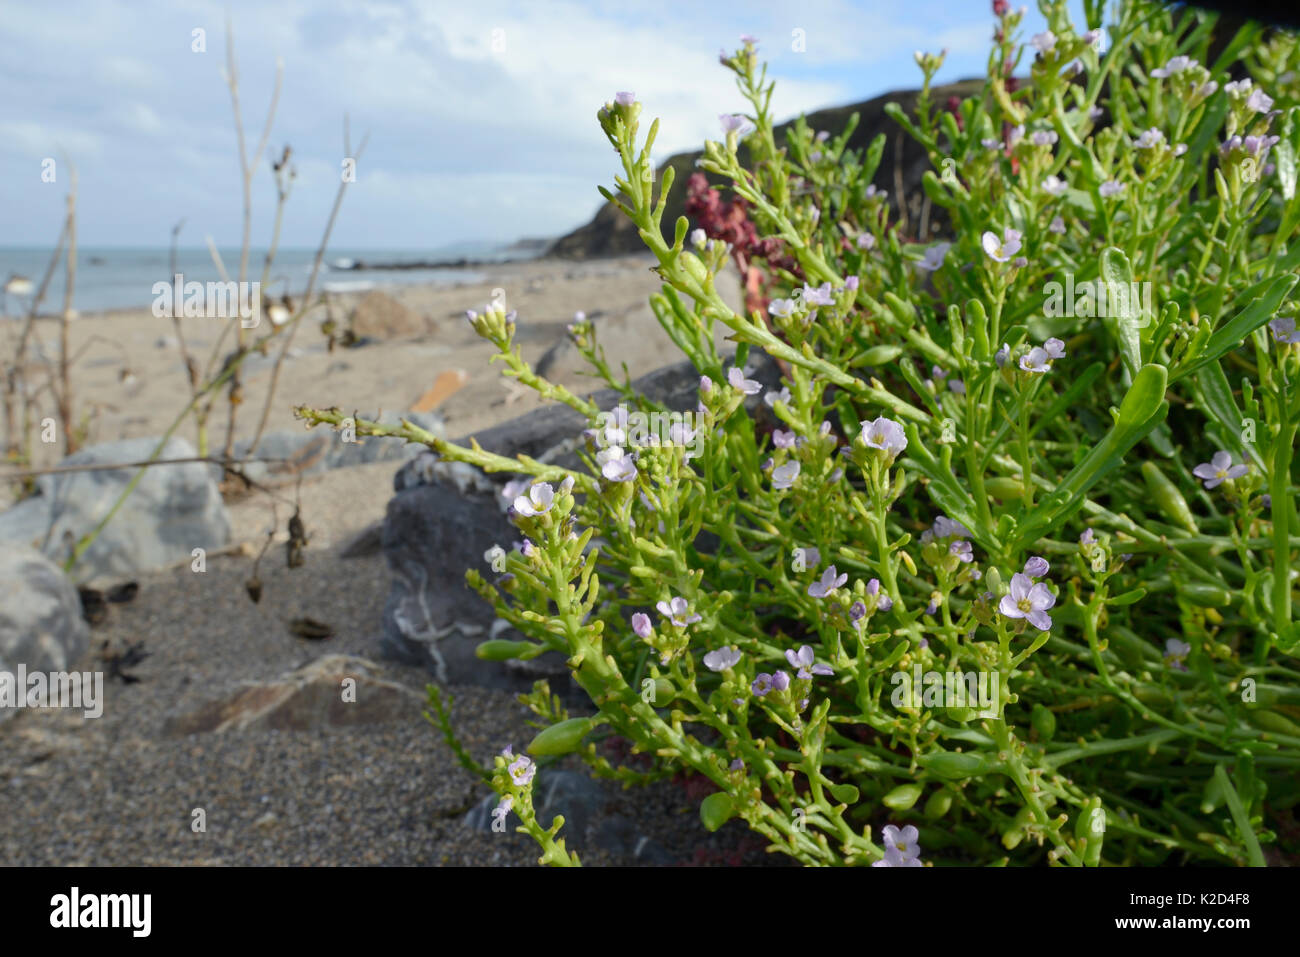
(1102, 517)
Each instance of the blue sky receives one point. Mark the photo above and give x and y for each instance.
(481, 115)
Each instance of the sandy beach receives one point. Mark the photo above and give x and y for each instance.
(122, 789)
(129, 379)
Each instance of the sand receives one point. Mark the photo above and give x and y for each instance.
(129, 379)
(118, 790)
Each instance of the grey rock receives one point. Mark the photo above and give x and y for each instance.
(551, 433)
(41, 626)
(432, 534)
(173, 510)
(590, 820)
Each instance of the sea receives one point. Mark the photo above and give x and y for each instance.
(121, 277)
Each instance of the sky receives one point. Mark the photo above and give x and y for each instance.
(481, 115)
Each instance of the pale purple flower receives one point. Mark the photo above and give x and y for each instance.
(866, 241)
(1036, 360)
(527, 549)
(1150, 139)
(812, 556)
(1176, 651)
(934, 257)
(1055, 186)
(1036, 567)
(1028, 599)
(537, 501)
(1001, 250)
(873, 190)
(748, 40)
(1015, 134)
(1057, 226)
(706, 384)
(782, 439)
(738, 381)
(734, 123)
(783, 476)
(1002, 355)
(805, 660)
(678, 612)
(851, 284)
(780, 681)
(829, 582)
(1054, 348)
(1043, 137)
(884, 434)
(901, 848)
(1110, 188)
(1088, 537)
(1259, 101)
(894, 858)
(944, 527)
(761, 685)
(1237, 88)
(625, 98)
(1258, 145)
(1176, 65)
(858, 611)
(961, 549)
(641, 624)
(1044, 42)
(698, 238)
(989, 143)
(1219, 470)
(722, 659)
(957, 386)
(781, 308)
(1284, 330)
(618, 468)
(522, 770)
(772, 398)
(819, 295)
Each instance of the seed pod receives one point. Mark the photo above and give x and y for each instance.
(902, 797)
(1044, 722)
(1004, 487)
(844, 793)
(880, 355)
(1211, 795)
(1206, 596)
(938, 804)
(1168, 499)
(561, 738)
(956, 765)
(716, 810)
(499, 649)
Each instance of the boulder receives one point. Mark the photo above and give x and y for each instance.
(591, 814)
(446, 515)
(307, 699)
(380, 316)
(41, 626)
(173, 510)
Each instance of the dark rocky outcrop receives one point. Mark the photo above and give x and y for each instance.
(610, 233)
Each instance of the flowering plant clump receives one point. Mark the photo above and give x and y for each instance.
(1050, 457)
